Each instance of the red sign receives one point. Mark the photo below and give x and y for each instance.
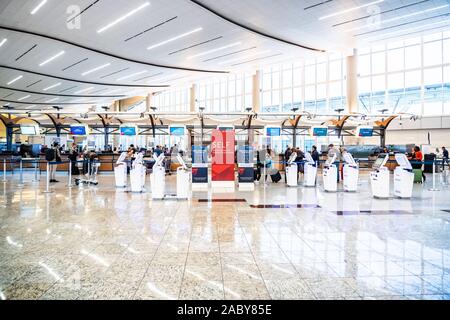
(222, 154)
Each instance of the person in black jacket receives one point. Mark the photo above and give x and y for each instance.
(315, 154)
(73, 156)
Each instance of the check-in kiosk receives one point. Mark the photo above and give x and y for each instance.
(330, 175)
(292, 171)
(137, 174)
(120, 171)
(351, 173)
(182, 179)
(246, 176)
(199, 168)
(310, 171)
(380, 177)
(403, 177)
(158, 177)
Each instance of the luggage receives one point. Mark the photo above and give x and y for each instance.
(50, 155)
(417, 175)
(275, 177)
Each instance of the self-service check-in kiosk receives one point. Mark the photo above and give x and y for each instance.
(292, 171)
(199, 168)
(330, 175)
(158, 177)
(310, 171)
(120, 171)
(246, 177)
(351, 173)
(182, 179)
(137, 174)
(403, 177)
(380, 177)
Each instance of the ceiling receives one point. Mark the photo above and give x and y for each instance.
(105, 50)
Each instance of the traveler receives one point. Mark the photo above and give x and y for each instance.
(444, 157)
(53, 156)
(416, 160)
(315, 154)
(73, 156)
(287, 155)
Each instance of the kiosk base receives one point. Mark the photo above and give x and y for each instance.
(227, 185)
(246, 186)
(200, 187)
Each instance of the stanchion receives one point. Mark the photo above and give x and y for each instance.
(47, 190)
(20, 185)
(69, 185)
(434, 178)
(4, 170)
(35, 171)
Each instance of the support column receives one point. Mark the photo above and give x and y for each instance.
(106, 136)
(256, 92)
(192, 99)
(352, 82)
(148, 102)
(58, 130)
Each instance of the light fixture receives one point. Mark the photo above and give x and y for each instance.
(123, 17)
(131, 75)
(15, 79)
(214, 50)
(32, 106)
(52, 100)
(246, 57)
(96, 69)
(3, 42)
(38, 6)
(350, 9)
(52, 58)
(174, 38)
(53, 86)
(23, 98)
(397, 18)
(84, 90)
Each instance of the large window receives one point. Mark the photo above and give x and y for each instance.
(172, 100)
(316, 85)
(226, 94)
(406, 76)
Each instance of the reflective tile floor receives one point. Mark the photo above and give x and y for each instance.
(280, 243)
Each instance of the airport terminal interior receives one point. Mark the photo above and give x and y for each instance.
(224, 150)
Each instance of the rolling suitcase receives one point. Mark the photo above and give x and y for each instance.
(417, 175)
(276, 177)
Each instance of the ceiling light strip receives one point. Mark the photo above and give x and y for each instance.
(15, 79)
(129, 14)
(382, 12)
(196, 45)
(229, 54)
(40, 5)
(84, 90)
(267, 57)
(76, 63)
(131, 75)
(52, 100)
(401, 24)
(153, 75)
(175, 38)
(46, 103)
(82, 11)
(317, 4)
(400, 33)
(96, 69)
(8, 95)
(53, 86)
(398, 18)
(249, 56)
(116, 72)
(52, 58)
(58, 94)
(3, 42)
(350, 9)
(26, 52)
(215, 50)
(32, 84)
(150, 29)
(23, 98)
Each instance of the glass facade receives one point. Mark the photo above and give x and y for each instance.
(172, 100)
(406, 76)
(316, 85)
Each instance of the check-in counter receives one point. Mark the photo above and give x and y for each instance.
(8, 162)
(61, 167)
(107, 161)
(279, 162)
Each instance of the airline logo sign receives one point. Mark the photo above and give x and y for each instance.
(222, 154)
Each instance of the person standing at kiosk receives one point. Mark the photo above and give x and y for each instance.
(53, 155)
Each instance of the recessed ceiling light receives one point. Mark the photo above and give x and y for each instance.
(214, 50)
(398, 18)
(53, 86)
(175, 38)
(123, 17)
(96, 69)
(131, 75)
(23, 98)
(52, 58)
(52, 100)
(15, 79)
(246, 57)
(3, 42)
(38, 6)
(350, 9)
(84, 90)
(33, 105)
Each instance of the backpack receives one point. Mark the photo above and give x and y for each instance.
(50, 155)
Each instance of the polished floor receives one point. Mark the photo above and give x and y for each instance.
(96, 242)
